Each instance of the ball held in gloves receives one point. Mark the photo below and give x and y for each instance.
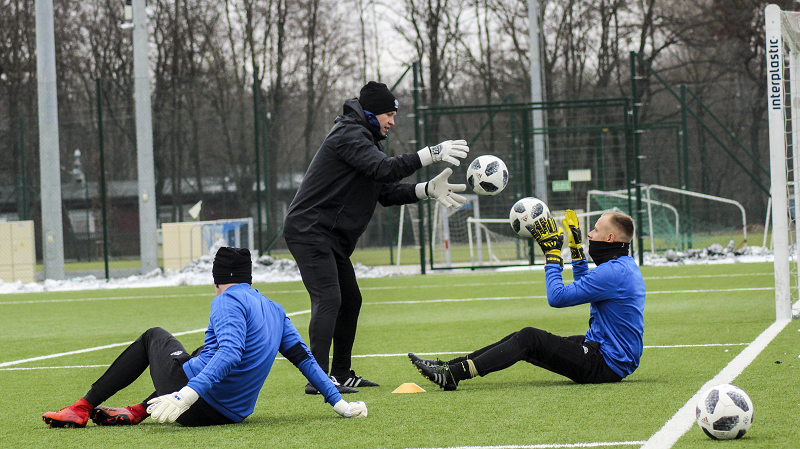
(524, 214)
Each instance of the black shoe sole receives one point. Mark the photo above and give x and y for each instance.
(362, 383)
(415, 358)
(445, 387)
(68, 424)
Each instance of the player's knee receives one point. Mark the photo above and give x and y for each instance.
(154, 331)
(151, 334)
(528, 336)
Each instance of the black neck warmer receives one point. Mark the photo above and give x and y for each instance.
(601, 252)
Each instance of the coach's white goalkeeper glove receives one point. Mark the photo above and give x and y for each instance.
(446, 151)
(170, 406)
(441, 190)
(351, 409)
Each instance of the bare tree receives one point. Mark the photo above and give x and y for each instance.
(17, 72)
(327, 59)
(432, 28)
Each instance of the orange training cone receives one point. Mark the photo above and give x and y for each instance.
(409, 387)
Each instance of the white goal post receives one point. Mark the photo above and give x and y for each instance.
(783, 103)
(623, 194)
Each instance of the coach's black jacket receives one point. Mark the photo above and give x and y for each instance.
(349, 175)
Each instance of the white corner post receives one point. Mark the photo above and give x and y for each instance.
(539, 160)
(777, 148)
(148, 227)
(49, 158)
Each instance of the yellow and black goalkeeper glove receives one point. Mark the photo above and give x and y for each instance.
(550, 238)
(573, 231)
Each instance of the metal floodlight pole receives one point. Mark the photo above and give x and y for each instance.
(148, 225)
(49, 160)
(98, 87)
(540, 163)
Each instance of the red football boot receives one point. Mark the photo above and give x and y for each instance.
(126, 416)
(67, 417)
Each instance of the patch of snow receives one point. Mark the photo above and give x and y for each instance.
(714, 254)
(198, 272)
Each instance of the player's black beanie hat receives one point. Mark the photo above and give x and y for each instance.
(232, 266)
(376, 98)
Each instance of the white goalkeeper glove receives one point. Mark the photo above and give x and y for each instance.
(170, 406)
(351, 409)
(441, 190)
(446, 151)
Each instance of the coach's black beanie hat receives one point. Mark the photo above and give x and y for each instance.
(232, 266)
(376, 98)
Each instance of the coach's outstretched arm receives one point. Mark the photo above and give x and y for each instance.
(446, 151)
(440, 189)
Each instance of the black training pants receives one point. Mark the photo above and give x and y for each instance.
(330, 280)
(165, 356)
(572, 357)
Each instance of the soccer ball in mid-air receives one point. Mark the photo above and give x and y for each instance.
(525, 213)
(724, 412)
(487, 175)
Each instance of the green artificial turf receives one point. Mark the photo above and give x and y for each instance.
(724, 305)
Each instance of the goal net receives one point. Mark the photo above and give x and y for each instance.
(678, 219)
(460, 238)
(783, 97)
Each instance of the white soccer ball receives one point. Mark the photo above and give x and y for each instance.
(724, 412)
(487, 175)
(524, 213)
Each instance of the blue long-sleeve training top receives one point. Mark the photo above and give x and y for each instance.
(245, 332)
(615, 291)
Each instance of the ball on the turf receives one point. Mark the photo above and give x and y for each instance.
(724, 412)
(524, 213)
(487, 175)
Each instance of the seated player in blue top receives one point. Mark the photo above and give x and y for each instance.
(219, 383)
(611, 348)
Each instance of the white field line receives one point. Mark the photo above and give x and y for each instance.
(476, 284)
(488, 298)
(81, 351)
(684, 418)
(355, 356)
(113, 345)
(747, 289)
(109, 298)
(733, 275)
(546, 446)
(53, 367)
(485, 284)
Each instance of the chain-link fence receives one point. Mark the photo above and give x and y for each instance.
(247, 160)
